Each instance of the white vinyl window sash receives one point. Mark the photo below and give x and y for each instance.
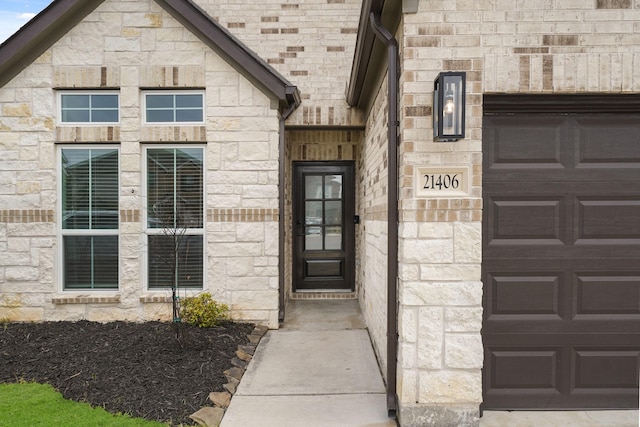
(89, 108)
(89, 218)
(166, 107)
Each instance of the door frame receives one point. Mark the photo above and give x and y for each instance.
(349, 198)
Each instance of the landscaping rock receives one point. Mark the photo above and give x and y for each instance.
(243, 355)
(235, 373)
(220, 399)
(249, 348)
(231, 387)
(239, 363)
(208, 416)
(254, 339)
(260, 330)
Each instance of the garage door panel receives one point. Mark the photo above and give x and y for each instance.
(532, 295)
(525, 220)
(596, 368)
(568, 299)
(608, 219)
(506, 368)
(533, 142)
(610, 141)
(607, 294)
(562, 376)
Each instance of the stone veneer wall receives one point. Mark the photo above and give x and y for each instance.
(505, 46)
(132, 45)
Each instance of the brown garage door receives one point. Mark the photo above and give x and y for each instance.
(561, 252)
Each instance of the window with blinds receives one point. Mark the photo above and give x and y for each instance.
(175, 223)
(89, 218)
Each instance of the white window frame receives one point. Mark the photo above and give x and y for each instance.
(159, 231)
(61, 232)
(89, 93)
(174, 93)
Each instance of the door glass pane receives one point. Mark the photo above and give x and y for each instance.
(333, 212)
(333, 187)
(313, 238)
(312, 187)
(333, 238)
(313, 213)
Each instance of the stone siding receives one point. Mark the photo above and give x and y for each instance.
(130, 46)
(504, 46)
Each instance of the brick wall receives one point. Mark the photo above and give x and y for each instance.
(372, 176)
(310, 42)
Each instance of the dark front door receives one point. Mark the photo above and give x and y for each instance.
(323, 226)
(561, 248)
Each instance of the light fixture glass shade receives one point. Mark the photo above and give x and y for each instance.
(449, 106)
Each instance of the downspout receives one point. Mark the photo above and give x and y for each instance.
(281, 202)
(392, 210)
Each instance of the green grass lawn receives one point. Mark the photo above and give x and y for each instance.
(32, 404)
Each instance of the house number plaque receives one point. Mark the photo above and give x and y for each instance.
(446, 181)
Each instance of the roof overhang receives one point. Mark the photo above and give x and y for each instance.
(39, 34)
(370, 57)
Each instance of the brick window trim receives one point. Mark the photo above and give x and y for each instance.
(83, 299)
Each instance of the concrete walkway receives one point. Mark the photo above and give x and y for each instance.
(318, 370)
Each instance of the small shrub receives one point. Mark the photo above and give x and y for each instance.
(203, 311)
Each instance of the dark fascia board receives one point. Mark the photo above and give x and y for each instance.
(570, 103)
(39, 34)
(370, 58)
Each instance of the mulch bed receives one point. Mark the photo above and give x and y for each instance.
(133, 368)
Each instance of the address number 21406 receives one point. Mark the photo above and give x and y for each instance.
(441, 182)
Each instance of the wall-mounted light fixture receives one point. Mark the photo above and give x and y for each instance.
(449, 106)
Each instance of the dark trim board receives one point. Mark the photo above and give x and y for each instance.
(560, 103)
